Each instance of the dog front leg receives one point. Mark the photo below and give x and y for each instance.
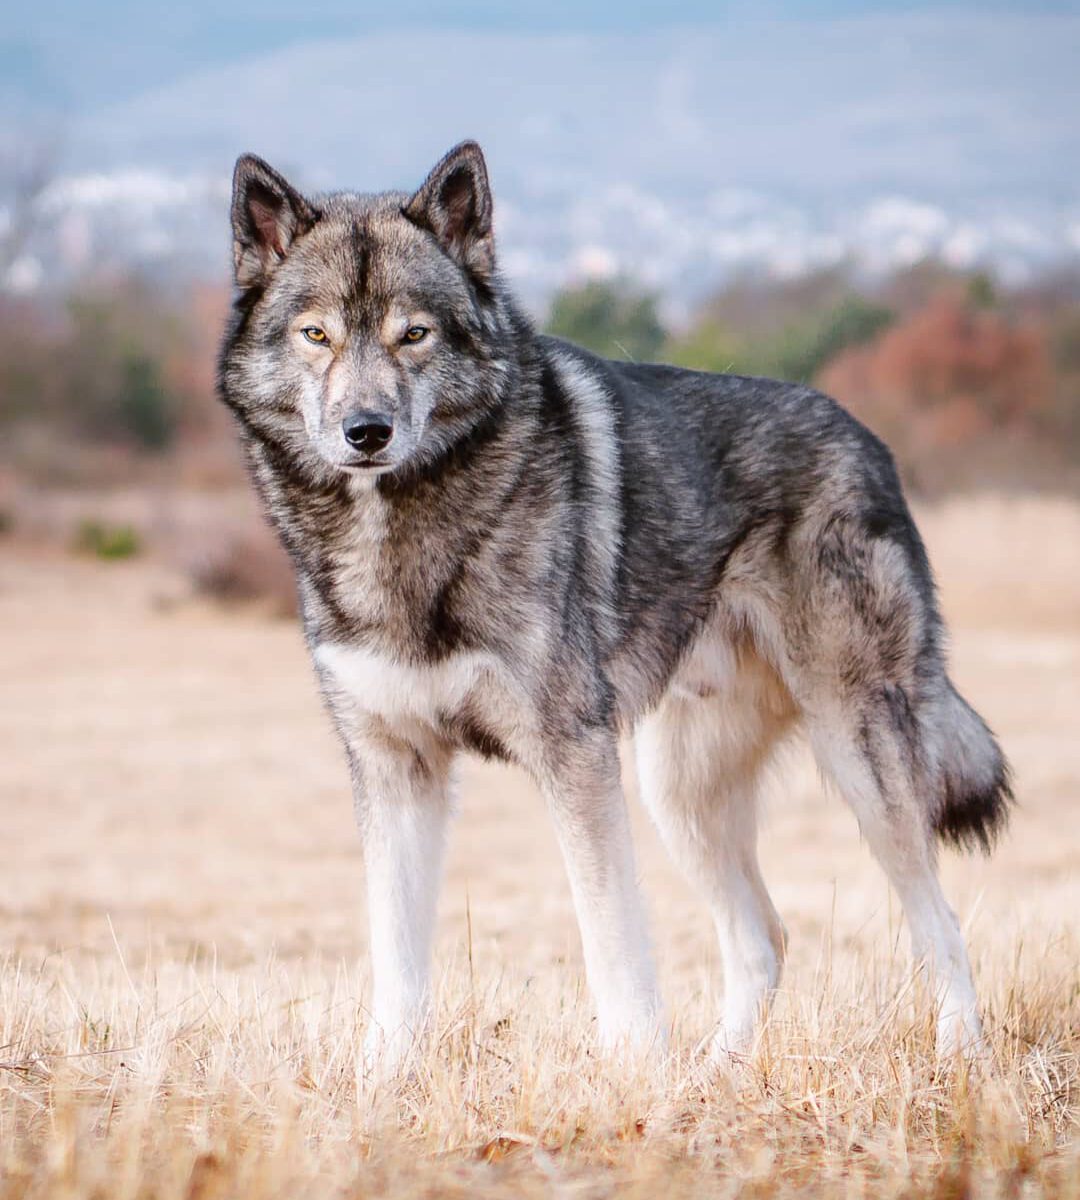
(402, 805)
(591, 821)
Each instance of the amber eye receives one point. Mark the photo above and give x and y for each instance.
(315, 335)
(415, 333)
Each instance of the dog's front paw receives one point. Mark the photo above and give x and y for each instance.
(390, 1050)
(642, 1041)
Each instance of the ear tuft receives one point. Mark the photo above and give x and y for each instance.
(454, 203)
(268, 215)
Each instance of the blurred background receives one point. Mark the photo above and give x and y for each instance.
(884, 202)
(881, 200)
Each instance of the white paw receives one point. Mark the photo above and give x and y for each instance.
(634, 1036)
(387, 1056)
(732, 1041)
(959, 1032)
(637, 1049)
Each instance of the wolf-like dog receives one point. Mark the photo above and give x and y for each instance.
(507, 545)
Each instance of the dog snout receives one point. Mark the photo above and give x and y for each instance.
(368, 432)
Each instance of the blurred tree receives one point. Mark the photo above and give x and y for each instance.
(797, 351)
(758, 307)
(950, 374)
(709, 345)
(28, 344)
(852, 322)
(144, 407)
(116, 388)
(94, 382)
(912, 288)
(613, 319)
(1065, 349)
(981, 292)
(90, 374)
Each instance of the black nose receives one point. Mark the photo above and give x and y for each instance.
(368, 431)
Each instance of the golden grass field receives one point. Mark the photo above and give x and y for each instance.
(183, 991)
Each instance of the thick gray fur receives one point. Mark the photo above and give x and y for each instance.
(554, 548)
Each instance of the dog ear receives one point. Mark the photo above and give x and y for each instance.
(268, 215)
(454, 203)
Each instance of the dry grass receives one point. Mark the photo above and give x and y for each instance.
(183, 996)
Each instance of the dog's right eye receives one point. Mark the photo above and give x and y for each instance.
(315, 335)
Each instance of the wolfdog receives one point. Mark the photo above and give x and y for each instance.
(507, 545)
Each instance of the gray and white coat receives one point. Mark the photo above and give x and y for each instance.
(506, 545)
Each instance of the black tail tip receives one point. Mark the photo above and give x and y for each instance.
(973, 818)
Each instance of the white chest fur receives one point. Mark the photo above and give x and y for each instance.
(400, 691)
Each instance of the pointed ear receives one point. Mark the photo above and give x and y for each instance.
(454, 203)
(268, 214)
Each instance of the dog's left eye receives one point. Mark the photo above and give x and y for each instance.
(415, 333)
(315, 335)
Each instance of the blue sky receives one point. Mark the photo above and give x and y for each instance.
(822, 103)
(815, 95)
(762, 132)
(60, 56)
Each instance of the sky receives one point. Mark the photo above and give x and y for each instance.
(811, 105)
(672, 141)
(60, 56)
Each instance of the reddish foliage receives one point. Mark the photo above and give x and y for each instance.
(948, 376)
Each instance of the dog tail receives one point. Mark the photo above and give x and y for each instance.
(975, 793)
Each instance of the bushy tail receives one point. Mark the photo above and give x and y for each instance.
(976, 795)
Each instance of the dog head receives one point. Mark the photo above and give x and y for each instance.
(368, 334)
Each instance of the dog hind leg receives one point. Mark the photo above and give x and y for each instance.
(700, 762)
(872, 770)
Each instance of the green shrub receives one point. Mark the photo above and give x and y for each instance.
(107, 541)
(613, 319)
(145, 410)
(796, 352)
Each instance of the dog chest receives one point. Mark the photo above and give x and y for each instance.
(405, 694)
